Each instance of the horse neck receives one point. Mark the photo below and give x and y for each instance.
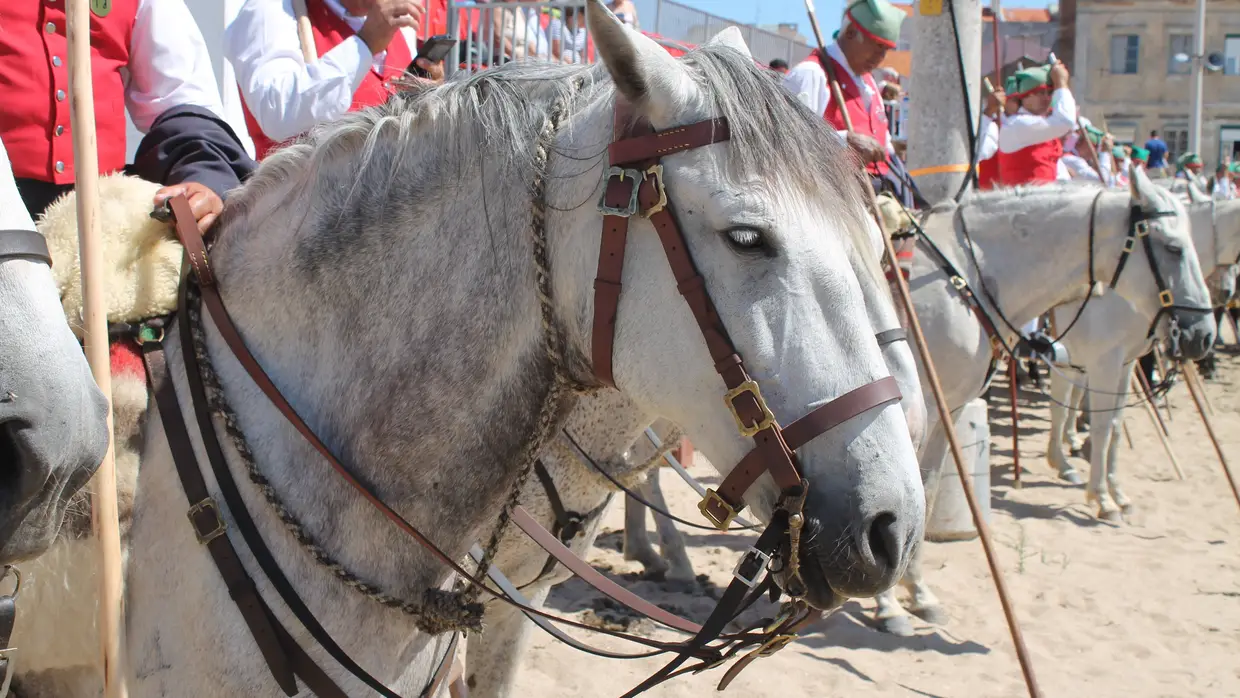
(1034, 248)
(604, 424)
(404, 328)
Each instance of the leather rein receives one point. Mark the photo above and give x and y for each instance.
(634, 187)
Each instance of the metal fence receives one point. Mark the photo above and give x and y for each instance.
(495, 32)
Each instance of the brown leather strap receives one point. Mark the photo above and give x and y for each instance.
(843, 408)
(790, 629)
(191, 240)
(652, 146)
(445, 668)
(593, 577)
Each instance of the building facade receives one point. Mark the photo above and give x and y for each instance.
(1128, 72)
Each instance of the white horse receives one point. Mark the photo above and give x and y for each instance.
(53, 417)
(1031, 247)
(1102, 346)
(427, 370)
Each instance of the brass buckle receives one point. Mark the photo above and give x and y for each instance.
(656, 171)
(774, 645)
(628, 211)
(712, 498)
(199, 508)
(768, 418)
(959, 282)
(1130, 244)
(1142, 228)
(1166, 298)
(751, 582)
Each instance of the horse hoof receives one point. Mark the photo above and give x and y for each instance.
(1071, 477)
(900, 626)
(1111, 516)
(1126, 508)
(934, 615)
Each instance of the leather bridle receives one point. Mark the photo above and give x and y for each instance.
(24, 244)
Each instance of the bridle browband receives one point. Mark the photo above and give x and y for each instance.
(24, 244)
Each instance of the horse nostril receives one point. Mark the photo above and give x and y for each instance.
(884, 544)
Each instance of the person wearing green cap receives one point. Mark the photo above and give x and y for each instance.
(1188, 167)
(1030, 144)
(1222, 186)
(1140, 156)
(868, 30)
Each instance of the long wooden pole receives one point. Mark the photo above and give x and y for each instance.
(1192, 380)
(1012, 390)
(305, 34)
(945, 413)
(1159, 428)
(104, 516)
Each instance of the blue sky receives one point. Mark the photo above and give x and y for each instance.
(778, 11)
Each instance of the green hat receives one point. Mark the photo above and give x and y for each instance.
(1188, 159)
(1009, 85)
(1234, 167)
(1140, 154)
(879, 20)
(1118, 152)
(1030, 79)
(1095, 134)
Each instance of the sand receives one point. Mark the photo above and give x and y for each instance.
(1149, 607)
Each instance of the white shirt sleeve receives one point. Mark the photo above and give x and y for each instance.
(989, 144)
(1023, 129)
(168, 64)
(286, 96)
(807, 81)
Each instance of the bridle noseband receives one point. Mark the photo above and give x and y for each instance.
(24, 244)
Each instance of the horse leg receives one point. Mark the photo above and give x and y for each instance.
(670, 540)
(495, 655)
(1121, 499)
(1105, 403)
(1078, 419)
(922, 602)
(637, 544)
(1061, 424)
(891, 616)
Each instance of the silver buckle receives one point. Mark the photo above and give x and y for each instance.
(752, 582)
(628, 211)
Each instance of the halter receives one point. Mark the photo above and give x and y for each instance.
(24, 244)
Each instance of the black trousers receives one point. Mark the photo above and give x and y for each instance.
(38, 195)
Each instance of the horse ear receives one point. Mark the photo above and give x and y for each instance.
(644, 72)
(1139, 185)
(732, 38)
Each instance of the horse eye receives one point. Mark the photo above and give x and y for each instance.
(745, 239)
(1175, 248)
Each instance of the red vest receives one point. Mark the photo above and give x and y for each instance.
(34, 86)
(870, 122)
(988, 173)
(329, 32)
(1037, 164)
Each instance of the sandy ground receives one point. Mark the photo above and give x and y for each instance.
(1150, 607)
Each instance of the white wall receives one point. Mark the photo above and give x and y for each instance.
(212, 16)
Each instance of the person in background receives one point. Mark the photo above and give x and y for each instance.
(625, 11)
(1222, 187)
(1188, 167)
(1140, 156)
(568, 35)
(1158, 152)
(147, 55)
(1123, 160)
(779, 65)
(1030, 142)
(363, 47)
(868, 30)
(993, 115)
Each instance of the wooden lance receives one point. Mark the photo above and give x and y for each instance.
(945, 414)
(305, 35)
(104, 516)
(1196, 389)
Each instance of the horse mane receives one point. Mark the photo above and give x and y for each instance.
(493, 118)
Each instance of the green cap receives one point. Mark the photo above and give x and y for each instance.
(1118, 152)
(1095, 134)
(1140, 154)
(1234, 167)
(879, 20)
(1009, 85)
(1030, 79)
(1188, 159)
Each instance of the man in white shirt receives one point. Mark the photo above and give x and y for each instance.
(1030, 145)
(362, 47)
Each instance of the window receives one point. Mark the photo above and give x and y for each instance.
(1231, 55)
(1125, 132)
(1176, 138)
(1180, 43)
(1125, 51)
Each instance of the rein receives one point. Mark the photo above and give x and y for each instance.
(24, 244)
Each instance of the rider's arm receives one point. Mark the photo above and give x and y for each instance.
(169, 65)
(808, 83)
(988, 145)
(1023, 129)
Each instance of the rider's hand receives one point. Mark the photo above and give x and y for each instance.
(386, 18)
(867, 147)
(995, 102)
(1059, 76)
(434, 70)
(206, 204)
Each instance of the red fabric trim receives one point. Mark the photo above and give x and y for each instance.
(1026, 93)
(125, 359)
(872, 37)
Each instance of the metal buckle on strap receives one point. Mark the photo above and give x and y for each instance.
(631, 209)
(752, 580)
(202, 507)
(711, 503)
(1142, 227)
(959, 282)
(1166, 298)
(768, 418)
(1130, 244)
(774, 645)
(656, 171)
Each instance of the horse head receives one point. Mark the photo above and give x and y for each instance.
(776, 227)
(53, 417)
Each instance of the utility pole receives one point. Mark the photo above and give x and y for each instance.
(1199, 69)
(938, 123)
